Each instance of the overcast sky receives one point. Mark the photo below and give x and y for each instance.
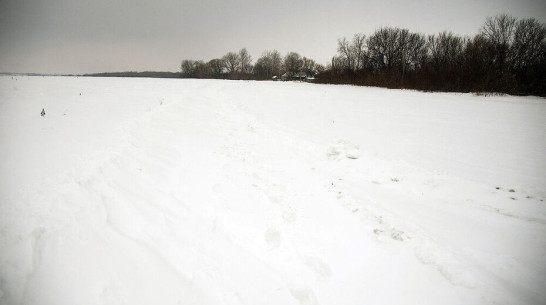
(83, 36)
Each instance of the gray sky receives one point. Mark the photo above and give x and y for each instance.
(82, 36)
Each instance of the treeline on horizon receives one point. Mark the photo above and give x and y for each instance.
(506, 56)
(149, 74)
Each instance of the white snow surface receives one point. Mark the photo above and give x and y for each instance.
(157, 191)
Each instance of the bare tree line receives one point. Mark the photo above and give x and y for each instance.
(239, 65)
(506, 56)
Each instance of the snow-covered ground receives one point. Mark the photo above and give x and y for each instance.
(149, 191)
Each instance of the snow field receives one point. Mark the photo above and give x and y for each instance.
(144, 191)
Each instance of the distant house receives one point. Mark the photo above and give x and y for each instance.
(301, 76)
(286, 76)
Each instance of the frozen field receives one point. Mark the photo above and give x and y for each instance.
(150, 191)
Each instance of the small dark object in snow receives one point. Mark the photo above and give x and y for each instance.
(42, 113)
(511, 190)
(497, 188)
(512, 198)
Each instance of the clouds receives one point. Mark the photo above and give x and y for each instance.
(76, 36)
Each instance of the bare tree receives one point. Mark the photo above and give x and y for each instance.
(358, 48)
(293, 63)
(444, 49)
(187, 67)
(499, 30)
(529, 44)
(201, 69)
(414, 51)
(276, 62)
(352, 54)
(346, 55)
(477, 63)
(231, 62)
(336, 65)
(401, 51)
(261, 68)
(268, 65)
(383, 48)
(216, 67)
(245, 61)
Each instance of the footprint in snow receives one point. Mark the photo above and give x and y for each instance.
(304, 296)
(343, 149)
(321, 269)
(273, 238)
(290, 215)
(393, 233)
